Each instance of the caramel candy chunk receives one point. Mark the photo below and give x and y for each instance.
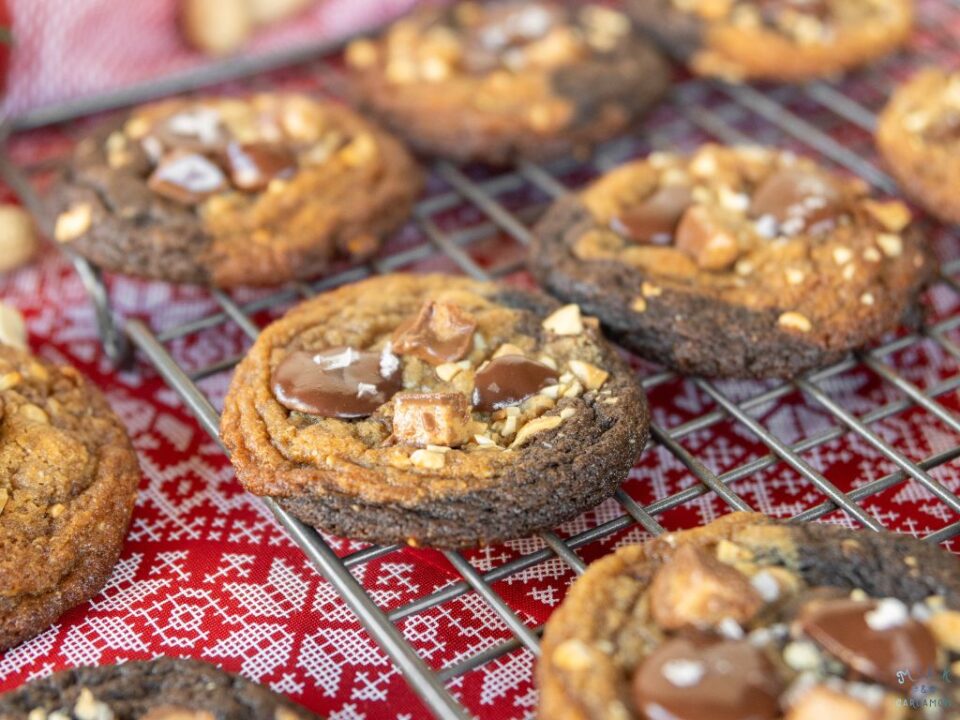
(509, 380)
(253, 166)
(945, 127)
(439, 333)
(187, 178)
(656, 218)
(875, 638)
(703, 237)
(338, 383)
(696, 589)
(798, 199)
(697, 676)
(431, 419)
(822, 702)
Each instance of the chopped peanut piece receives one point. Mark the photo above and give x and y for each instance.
(428, 459)
(541, 424)
(893, 216)
(565, 321)
(73, 223)
(507, 349)
(591, 376)
(795, 321)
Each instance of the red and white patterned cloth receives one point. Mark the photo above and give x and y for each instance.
(207, 573)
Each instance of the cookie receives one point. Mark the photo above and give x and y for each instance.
(778, 40)
(750, 618)
(68, 481)
(918, 134)
(234, 191)
(734, 262)
(500, 81)
(433, 410)
(162, 689)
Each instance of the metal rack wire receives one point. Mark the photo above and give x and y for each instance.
(697, 109)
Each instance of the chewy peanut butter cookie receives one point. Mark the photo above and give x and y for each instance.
(919, 137)
(748, 619)
(68, 481)
(433, 410)
(780, 40)
(742, 262)
(506, 80)
(230, 191)
(163, 689)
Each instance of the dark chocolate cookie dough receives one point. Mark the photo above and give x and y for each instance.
(743, 262)
(781, 40)
(163, 689)
(749, 618)
(68, 481)
(919, 137)
(234, 191)
(433, 410)
(506, 80)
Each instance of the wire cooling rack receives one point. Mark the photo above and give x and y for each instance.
(832, 121)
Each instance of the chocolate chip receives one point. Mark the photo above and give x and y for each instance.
(439, 333)
(877, 639)
(508, 380)
(696, 675)
(337, 383)
(655, 218)
(253, 166)
(187, 178)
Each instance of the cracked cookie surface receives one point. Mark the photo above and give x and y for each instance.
(498, 81)
(68, 481)
(162, 689)
(743, 262)
(919, 137)
(234, 191)
(749, 618)
(433, 410)
(778, 40)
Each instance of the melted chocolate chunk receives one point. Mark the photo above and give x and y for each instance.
(253, 166)
(696, 676)
(187, 178)
(509, 380)
(439, 333)
(798, 199)
(657, 217)
(338, 383)
(874, 639)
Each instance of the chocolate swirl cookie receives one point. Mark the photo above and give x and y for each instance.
(234, 191)
(743, 262)
(919, 137)
(163, 689)
(780, 40)
(433, 410)
(749, 619)
(68, 481)
(505, 80)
